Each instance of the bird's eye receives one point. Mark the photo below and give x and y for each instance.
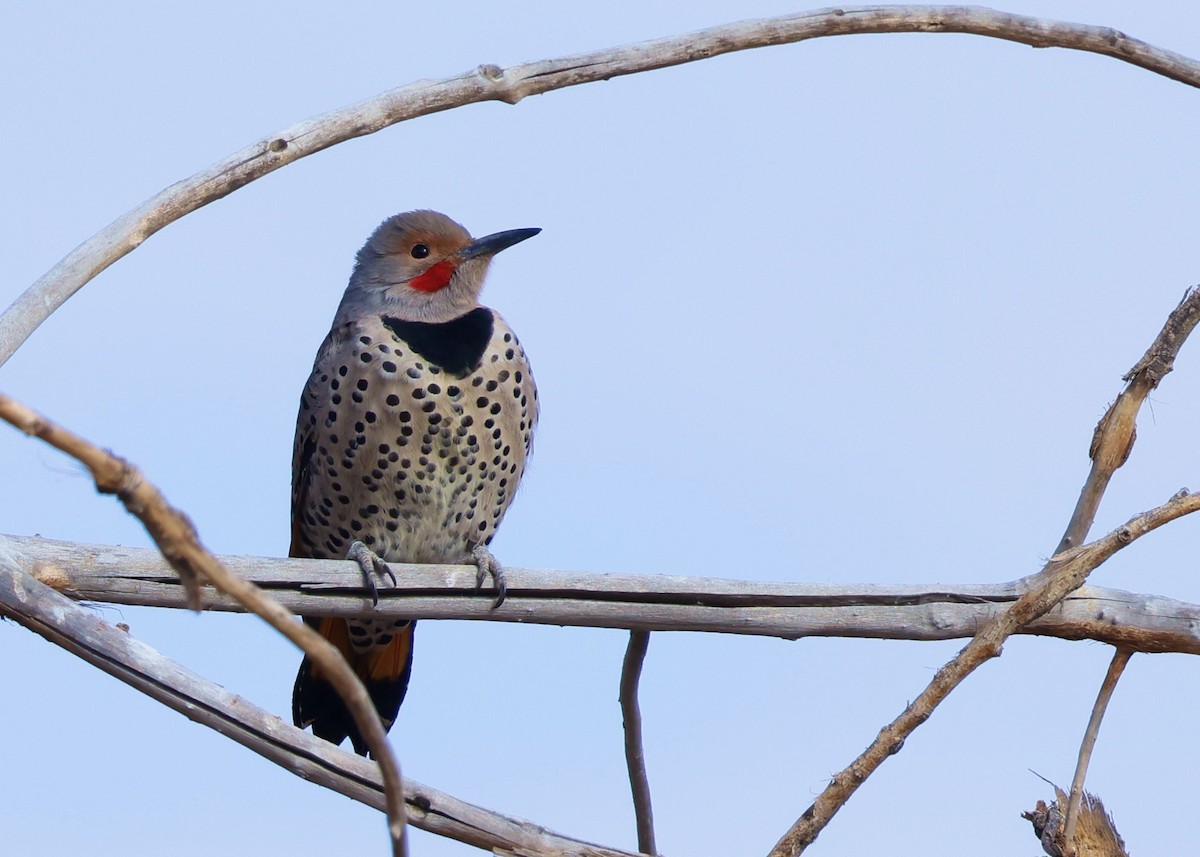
(420, 251)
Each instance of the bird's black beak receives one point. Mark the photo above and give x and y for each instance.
(489, 245)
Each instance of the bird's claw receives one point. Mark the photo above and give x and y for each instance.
(372, 566)
(487, 564)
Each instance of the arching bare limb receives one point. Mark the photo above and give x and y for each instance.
(491, 83)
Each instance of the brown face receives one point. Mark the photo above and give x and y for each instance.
(422, 266)
(425, 246)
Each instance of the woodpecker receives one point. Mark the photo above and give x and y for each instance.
(413, 433)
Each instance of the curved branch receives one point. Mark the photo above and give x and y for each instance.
(1062, 574)
(491, 83)
(1115, 668)
(180, 545)
(81, 632)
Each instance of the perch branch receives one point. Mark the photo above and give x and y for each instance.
(635, 756)
(1062, 574)
(651, 602)
(491, 83)
(1116, 432)
(83, 633)
(1115, 668)
(176, 537)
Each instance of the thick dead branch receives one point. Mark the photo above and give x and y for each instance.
(491, 83)
(180, 544)
(1115, 668)
(1116, 432)
(635, 756)
(1063, 574)
(81, 632)
(652, 602)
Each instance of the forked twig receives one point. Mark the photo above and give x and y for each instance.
(1066, 571)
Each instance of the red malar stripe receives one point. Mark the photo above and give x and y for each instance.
(435, 278)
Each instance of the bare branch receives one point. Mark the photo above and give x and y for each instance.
(1062, 574)
(1117, 430)
(652, 602)
(81, 632)
(1115, 668)
(180, 545)
(635, 756)
(1065, 571)
(491, 83)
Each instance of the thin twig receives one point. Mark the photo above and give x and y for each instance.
(648, 602)
(635, 757)
(176, 537)
(491, 83)
(82, 632)
(1116, 432)
(1063, 574)
(1115, 668)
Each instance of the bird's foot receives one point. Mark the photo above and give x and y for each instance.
(372, 566)
(488, 564)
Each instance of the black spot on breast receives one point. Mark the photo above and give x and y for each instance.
(457, 346)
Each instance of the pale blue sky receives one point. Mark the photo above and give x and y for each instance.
(839, 311)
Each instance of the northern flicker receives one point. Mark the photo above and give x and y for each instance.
(413, 432)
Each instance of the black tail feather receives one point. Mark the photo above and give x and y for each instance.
(315, 703)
